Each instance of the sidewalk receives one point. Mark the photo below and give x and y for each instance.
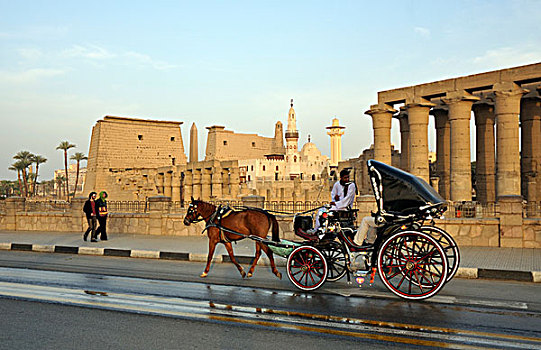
(476, 262)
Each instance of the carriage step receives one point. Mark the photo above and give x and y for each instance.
(359, 273)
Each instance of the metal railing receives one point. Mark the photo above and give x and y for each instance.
(532, 210)
(472, 210)
(461, 210)
(297, 206)
(127, 206)
(47, 206)
(231, 203)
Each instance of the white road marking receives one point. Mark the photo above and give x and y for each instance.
(196, 309)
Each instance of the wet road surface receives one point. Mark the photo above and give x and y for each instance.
(466, 314)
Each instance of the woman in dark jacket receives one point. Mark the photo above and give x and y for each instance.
(90, 208)
(101, 205)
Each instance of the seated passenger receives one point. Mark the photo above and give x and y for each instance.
(342, 195)
(366, 233)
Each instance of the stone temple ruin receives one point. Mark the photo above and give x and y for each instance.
(133, 159)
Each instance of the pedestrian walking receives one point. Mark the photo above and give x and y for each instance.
(101, 204)
(91, 211)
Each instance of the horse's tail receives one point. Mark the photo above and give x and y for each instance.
(275, 228)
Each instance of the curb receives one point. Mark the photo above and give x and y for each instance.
(463, 272)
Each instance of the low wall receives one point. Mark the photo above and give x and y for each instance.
(532, 233)
(484, 232)
(473, 232)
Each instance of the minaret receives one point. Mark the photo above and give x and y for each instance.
(292, 141)
(335, 132)
(194, 151)
(278, 141)
(292, 134)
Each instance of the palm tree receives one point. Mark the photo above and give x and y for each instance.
(48, 187)
(59, 182)
(78, 157)
(65, 146)
(25, 158)
(38, 160)
(6, 188)
(17, 167)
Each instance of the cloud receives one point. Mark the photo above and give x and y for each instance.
(90, 51)
(509, 56)
(30, 75)
(30, 53)
(147, 60)
(423, 32)
(99, 54)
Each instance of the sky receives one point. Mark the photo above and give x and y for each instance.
(66, 64)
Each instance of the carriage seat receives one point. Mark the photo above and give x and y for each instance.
(302, 225)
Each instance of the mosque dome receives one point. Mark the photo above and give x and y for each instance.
(310, 152)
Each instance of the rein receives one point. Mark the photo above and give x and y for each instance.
(210, 223)
(285, 213)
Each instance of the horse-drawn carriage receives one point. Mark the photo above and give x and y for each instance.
(413, 260)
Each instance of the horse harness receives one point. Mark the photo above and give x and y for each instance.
(215, 220)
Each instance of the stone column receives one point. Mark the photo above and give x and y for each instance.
(188, 185)
(507, 109)
(234, 180)
(460, 104)
(167, 178)
(205, 184)
(196, 178)
(159, 183)
(79, 217)
(443, 150)
(530, 127)
(418, 122)
(13, 206)
(511, 232)
(226, 193)
(175, 187)
(217, 183)
(404, 139)
(382, 115)
(157, 207)
(485, 151)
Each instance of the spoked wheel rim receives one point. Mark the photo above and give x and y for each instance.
(336, 260)
(449, 246)
(307, 268)
(412, 265)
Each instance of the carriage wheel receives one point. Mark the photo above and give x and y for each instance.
(307, 268)
(336, 260)
(412, 265)
(449, 246)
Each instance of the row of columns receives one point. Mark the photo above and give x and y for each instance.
(452, 121)
(169, 185)
(208, 183)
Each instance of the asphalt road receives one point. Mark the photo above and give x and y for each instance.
(156, 297)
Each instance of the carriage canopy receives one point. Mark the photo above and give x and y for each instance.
(398, 191)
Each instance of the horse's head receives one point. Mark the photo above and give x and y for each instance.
(194, 213)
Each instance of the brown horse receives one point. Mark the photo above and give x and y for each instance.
(248, 222)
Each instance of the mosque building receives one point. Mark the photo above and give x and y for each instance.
(308, 164)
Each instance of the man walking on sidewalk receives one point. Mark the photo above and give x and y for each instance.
(90, 209)
(101, 205)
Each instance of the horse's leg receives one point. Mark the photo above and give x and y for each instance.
(267, 251)
(212, 246)
(256, 258)
(233, 260)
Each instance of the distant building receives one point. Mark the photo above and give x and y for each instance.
(72, 174)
